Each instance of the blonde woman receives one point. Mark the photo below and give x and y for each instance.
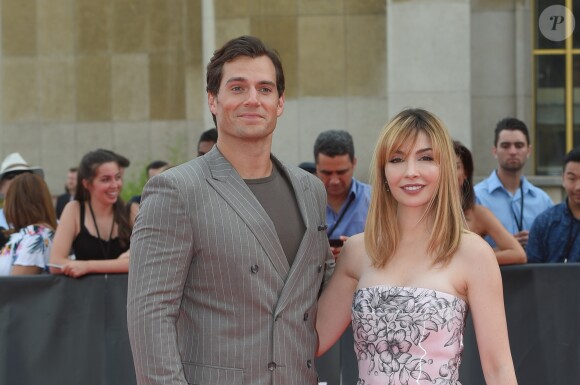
(416, 270)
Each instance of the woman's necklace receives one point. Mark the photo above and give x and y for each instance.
(101, 241)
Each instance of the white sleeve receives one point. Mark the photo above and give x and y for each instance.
(32, 250)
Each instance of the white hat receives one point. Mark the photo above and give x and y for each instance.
(15, 162)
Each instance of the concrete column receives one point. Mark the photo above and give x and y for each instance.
(208, 47)
(428, 60)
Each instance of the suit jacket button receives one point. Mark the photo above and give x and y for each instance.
(305, 316)
(254, 269)
(272, 366)
(309, 364)
(320, 268)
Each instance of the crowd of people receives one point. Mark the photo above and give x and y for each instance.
(502, 208)
(94, 224)
(412, 241)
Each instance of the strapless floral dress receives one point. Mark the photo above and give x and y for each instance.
(408, 335)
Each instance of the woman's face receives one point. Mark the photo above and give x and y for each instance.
(460, 171)
(412, 173)
(107, 183)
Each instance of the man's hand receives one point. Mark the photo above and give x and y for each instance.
(336, 250)
(522, 237)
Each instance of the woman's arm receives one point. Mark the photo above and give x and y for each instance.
(25, 270)
(485, 297)
(77, 269)
(509, 251)
(65, 233)
(30, 251)
(334, 306)
(133, 210)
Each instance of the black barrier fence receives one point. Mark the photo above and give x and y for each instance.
(58, 330)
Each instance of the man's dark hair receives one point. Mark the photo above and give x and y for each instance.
(249, 46)
(156, 164)
(511, 124)
(73, 169)
(333, 143)
(308, 166)
(210, 135)
(572, 156)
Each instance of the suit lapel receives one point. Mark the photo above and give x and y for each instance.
(308, 209)
(228, 183)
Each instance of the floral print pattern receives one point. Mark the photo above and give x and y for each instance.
(408, 336)
(29, 247)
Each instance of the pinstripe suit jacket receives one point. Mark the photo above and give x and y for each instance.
(212, 299)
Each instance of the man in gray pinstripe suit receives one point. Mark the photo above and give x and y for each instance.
(229, 249)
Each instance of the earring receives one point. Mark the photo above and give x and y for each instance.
(387, 186)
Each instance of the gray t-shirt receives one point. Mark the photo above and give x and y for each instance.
(276, 195)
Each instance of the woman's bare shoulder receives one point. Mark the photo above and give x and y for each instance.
(473, 260)
(354, 255)
(474, 249)
(482, 212)
(354, 247)
(70, 216)
(71, 208)
(357, 239)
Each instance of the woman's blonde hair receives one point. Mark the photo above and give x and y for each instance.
(381, 231)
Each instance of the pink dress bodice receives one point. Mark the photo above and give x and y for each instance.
(407, 335)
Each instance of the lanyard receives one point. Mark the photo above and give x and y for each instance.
(107, 251)
(351, 198)
(520, 223)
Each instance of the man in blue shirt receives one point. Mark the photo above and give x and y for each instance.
(506, 192)
(554, 234)
(348, 198)
(346, 214)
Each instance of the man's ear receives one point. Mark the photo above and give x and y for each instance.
(494, 151)
(280, 108)
(212, 102)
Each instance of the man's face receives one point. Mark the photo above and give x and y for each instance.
(204, 147)
(7, 180)
(571, 183)
(154, 171)
(71, 180)
(4, 184)
(336, 173)
(512, 150)
(247, 105)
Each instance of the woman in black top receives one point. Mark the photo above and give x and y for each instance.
(95, 225)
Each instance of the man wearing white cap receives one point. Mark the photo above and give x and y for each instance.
(13, 165)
